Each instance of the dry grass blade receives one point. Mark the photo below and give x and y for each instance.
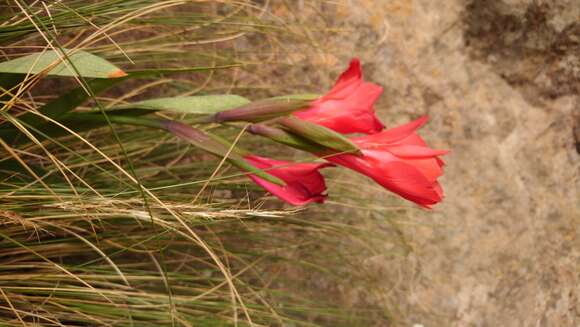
(97, 223)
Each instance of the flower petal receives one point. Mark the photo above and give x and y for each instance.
(348, 106)
(294, 195)
(349, 80)
(415, 151)
(428, 167)
(412, 179)
(407, 181)
(353, 114)
(394, 135)
(304, 183)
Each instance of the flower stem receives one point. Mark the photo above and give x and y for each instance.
(124, 120)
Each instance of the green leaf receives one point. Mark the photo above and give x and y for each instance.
(67, 102)
(88, 65)
(201, 105)
(77, 96)
(60, 108)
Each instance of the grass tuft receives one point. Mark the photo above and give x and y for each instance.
(107, 225)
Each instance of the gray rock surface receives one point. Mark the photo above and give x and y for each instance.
(501, 81)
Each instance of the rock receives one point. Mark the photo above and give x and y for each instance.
(501, 81)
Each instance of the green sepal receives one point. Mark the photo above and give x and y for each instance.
(283, 137)
(319, 134)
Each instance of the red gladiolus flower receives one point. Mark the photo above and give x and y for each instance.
(304, 183)
(348, 107)
(399, 160)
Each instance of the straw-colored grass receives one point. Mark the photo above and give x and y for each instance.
(123, 226)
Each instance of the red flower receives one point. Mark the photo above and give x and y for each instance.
(304, 183)
(399, 160)
(348, 107)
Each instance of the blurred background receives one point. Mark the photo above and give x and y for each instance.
(500, 80)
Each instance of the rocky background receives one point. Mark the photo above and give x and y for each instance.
(501, 81)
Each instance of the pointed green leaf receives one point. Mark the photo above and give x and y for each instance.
(201, 105)
(88, 65)
(60, 108)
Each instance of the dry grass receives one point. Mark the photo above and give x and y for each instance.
(125, 226)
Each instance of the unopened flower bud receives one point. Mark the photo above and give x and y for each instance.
(261, 110)
(281, 136)
(319, 135)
